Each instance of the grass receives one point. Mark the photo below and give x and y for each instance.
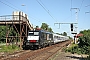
(9, 48)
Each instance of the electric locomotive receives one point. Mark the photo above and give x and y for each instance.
(38, 38)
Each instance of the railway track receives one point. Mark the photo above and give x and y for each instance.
(40, 54)
(5, 56)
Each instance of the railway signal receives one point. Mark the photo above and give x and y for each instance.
(71, 27)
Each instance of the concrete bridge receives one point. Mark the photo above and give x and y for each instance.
(19, 22)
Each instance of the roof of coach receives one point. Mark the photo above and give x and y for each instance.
(56, 34)
(45, 31)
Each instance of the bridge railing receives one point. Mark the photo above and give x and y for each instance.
(18, 18)
(5, 17)
(13, 18)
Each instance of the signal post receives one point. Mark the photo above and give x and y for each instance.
(72, 28)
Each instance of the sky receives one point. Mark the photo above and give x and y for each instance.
(51, 12)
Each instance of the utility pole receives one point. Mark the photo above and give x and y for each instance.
(76, 12)
(73, 32)
(76, 9)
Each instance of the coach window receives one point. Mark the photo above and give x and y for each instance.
(50, 36)
(55, 37)
(47, 35)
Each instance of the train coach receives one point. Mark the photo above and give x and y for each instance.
(59, 38)
(41, 38)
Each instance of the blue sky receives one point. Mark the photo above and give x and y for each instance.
(60, 10)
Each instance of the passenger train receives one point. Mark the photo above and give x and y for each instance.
(41, 38)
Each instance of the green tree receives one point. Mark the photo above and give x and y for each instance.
(64, 34)
(2, 33)
(50, 29)
(44, 26)
(85, 42)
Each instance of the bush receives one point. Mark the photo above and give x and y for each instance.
(84, 44)
(73, 49)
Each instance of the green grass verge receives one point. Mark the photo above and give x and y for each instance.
(9, 48)
(73, 49)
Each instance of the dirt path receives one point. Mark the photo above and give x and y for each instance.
(67, 56)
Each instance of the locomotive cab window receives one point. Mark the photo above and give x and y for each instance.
(33, 33)
(36, 33)
(30, 33)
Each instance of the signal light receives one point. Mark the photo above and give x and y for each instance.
(71, 27)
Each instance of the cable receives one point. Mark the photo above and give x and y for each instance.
(13, 5)
(44, 5)
(14, 8)
(36, 19)
(17, 8)
(8, 5)
(45, 10)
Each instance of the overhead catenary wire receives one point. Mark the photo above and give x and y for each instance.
(12, 4)
(16, 8)
(8, 5)
(44, 6)
(46, 10)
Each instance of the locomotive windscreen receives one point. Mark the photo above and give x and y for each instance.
(33, 34)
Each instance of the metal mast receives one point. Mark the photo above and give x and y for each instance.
(76, 27)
